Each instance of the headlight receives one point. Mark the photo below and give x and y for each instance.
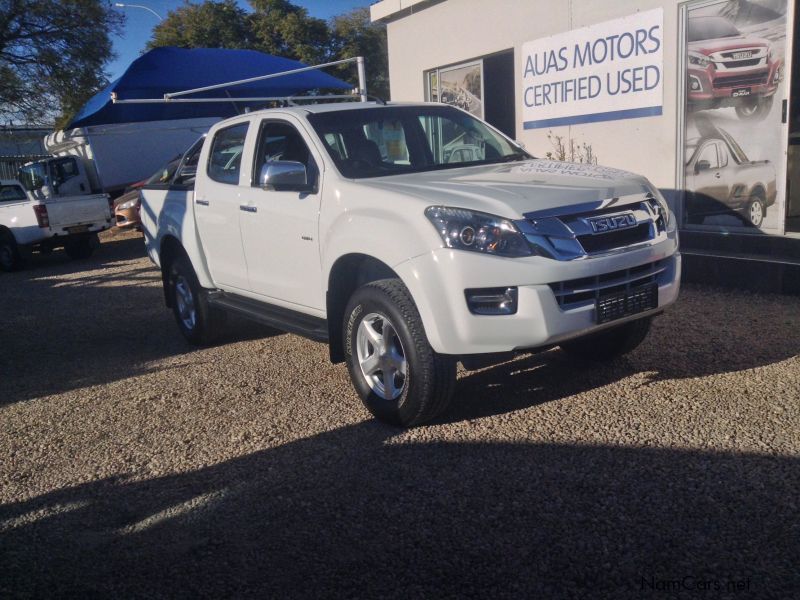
(662, 208)
(128, 204)
(695, 58)
(463, 229)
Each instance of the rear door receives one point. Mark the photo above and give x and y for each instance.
(279, 228)
(218, 194)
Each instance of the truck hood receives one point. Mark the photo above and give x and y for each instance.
(728, 43)
(512, 189)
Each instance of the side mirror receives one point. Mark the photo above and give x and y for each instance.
(185, 172)
(701, 165)
(284, 175)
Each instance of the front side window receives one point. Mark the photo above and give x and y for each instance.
(225, 160)
(408, 139)
(64, 169)
(12, 193)
(709, 155)
(281, 141)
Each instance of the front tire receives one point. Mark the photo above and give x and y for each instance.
(609, 344)
(199, 323)
(399, 377)
(755, 109)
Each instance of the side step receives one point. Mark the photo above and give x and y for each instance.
(278, 317)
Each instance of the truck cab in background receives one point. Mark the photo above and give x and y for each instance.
(54, 177)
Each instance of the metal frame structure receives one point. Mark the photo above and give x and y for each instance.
(176, 97)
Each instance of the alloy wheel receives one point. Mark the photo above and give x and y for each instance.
(185, 302)
(381, 356)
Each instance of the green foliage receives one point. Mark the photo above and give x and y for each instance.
(281, 28)
(354, 35)
(52, 54)
(212, 24)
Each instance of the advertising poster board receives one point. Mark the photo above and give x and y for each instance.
(462, 86)
(604, 72)
(734, 150)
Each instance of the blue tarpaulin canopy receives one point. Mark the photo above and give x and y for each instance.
(167, 70)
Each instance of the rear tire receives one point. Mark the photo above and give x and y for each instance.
(610, 344)
(10, 258)
(82, 248)
(399, 377)
(754, 109)
(199, 323)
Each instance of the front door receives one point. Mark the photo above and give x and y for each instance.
(709, 183)
(279, 228)
(216, 208)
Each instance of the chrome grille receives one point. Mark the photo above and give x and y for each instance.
(575, 293)
(599, 228)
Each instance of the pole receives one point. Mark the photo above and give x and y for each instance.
(362, 78)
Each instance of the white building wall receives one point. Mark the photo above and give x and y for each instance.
(458, 30)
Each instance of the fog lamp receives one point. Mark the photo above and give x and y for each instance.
(492, 301)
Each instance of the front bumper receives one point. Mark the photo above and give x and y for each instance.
(719, 86)
(437, 281)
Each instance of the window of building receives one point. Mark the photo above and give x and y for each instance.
(483, 87)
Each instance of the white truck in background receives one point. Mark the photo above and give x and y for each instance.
(35, 219)
(366, 227)
(116, 155)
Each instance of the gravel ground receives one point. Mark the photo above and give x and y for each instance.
(137, 466)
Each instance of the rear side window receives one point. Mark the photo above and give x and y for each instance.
(225, 160)
(12, 193)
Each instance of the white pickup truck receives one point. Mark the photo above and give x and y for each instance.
(30, 221)
(361, 225)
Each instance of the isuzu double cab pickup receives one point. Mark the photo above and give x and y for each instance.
(348, 224)
(728, 68)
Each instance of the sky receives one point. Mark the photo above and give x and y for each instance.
(140, 22)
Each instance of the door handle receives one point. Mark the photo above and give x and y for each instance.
(716, 175)
(247, 208)
(201, 202)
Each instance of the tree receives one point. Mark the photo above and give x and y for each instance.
(280, 28)
(354, 35)
(283, 29)
(52, 55)
(212, 24)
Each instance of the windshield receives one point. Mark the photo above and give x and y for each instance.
(392, 140)
(33, 176)
(711, 28)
